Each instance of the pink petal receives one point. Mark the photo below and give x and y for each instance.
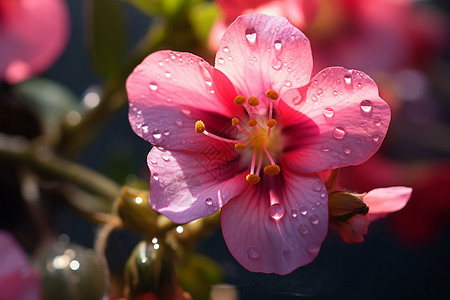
(188, 186)
(260, 240)
(342, 120)
(170, 91)
(17, 280)
(383, 201)
(256, 57)
(353, 229)
(32, 34)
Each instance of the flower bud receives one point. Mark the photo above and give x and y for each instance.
(150, 269)
(135, 211)
(343, 205)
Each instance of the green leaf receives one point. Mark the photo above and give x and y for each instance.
(202, 17)
(106, 37)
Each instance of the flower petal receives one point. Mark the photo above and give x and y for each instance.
(260, 52)
(33, 35)
(169, 91)
(383, 201)
(260, 239)
(350, 120)
(353, 229)
(187, 186)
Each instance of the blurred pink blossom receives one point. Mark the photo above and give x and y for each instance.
(272, 221)
(17, 280)
(33, 33)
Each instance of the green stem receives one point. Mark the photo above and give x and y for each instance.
(43, 161)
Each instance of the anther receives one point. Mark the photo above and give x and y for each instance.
(235, 122)
(240, 146)
(272, 170)
(239, 100)
(253, 101)
(252, 123)
(271, 123)
(252, 178)
(199, 126)
(272, 95)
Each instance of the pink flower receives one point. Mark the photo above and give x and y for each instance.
(33, 34)
(379, 202)
(273, 220)
(17, 280)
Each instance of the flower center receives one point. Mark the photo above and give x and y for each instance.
(258, 137)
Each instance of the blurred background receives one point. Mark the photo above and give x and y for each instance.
(72, 111)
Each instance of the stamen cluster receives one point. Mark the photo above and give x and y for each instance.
(256, 137)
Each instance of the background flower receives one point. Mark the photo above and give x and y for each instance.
(33, 33)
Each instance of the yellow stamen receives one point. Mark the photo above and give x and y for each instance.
(271, 123)
(252, 178)
(272, 95)
(235, 122)
(272, 170)
(240, 146)
(252, 123)
(253, 101)
(199, 126)
(239, 100)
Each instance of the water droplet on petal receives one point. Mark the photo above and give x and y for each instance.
(186, 111)
(165, 156)
(335, 93)
(208, 82)
(160, 64)
(313, 249)
(287, 253)
(348, 78)
(325, 148)
(152, 160)
(366, 106)
(339, 133)
(314, 219)
(297, 99)
(250, 34)
(377, 121)
(359, 85)
(276, 64)
(168, 75)
(322, 195)
(375, 137)
(347, 149)
(303, 229)
(155, 176)
(156, 134)
(294, 213)
(179, 122)
(144, 128)
(220, 61)
(277, 45)
(153, 86)
(287, 83)
(319, 91)
(226, 49)
(253, 253)
(314, 98)
(328, 113)
(276, 211)
(317, 186)
(208, 201)
(166, 132)
(303, 210)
